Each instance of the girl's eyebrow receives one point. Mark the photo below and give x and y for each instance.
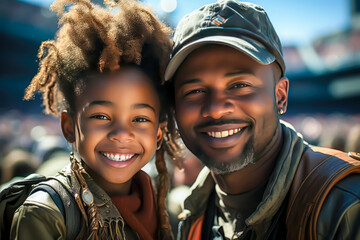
(100, 102)
(143, 105)
(134, 106)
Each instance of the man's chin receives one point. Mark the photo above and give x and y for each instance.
(227, 166)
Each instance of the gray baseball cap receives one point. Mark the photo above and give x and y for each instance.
(240, 25)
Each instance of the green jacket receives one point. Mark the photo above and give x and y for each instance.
(39, 217)
(339, 217)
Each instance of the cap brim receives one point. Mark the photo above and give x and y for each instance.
(252, 48)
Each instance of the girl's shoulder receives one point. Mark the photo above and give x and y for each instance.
(43, 212)
(37, 218)
(51, 206)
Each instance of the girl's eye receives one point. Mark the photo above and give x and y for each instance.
(100, 117)
(141, 119)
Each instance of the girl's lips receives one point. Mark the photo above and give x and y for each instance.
(118, 156)
(118, 160)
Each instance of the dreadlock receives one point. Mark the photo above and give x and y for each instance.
(92, 39)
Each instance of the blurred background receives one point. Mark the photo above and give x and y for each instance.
(321, 41)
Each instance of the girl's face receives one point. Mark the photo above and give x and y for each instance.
(117, 125)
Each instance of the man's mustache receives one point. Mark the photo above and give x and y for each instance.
(220, 122)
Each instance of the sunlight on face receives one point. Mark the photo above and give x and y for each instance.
(225, 107)
(117, 124)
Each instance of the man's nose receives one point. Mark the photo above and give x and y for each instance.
(217, 105)
(121, 133)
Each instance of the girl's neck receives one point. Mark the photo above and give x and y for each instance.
(112, 189)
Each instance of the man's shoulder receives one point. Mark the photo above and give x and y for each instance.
(320, 165)
(321, 153)
(321, 171)
(340, 213)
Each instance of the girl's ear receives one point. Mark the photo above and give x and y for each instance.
(68, 127)
(281, 90)
(159, 138)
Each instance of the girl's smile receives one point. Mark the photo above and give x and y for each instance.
(118, 160)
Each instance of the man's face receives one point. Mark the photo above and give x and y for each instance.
(226, 107)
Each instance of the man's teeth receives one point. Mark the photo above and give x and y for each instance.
(224, 134)
(118, 157)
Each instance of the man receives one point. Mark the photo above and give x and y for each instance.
(262, 180)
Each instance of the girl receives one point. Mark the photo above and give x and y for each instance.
(102, 76)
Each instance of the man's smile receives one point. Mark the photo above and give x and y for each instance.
(224, 134)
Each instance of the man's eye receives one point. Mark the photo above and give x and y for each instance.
(195, 91)
(100, 117)
(238, 85)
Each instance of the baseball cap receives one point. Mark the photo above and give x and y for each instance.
(241, 25)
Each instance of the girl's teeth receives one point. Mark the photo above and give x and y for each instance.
(224, 134)
(118, 157)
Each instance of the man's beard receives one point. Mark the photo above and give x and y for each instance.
(247, 158)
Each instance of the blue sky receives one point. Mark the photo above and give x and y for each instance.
(297, 22)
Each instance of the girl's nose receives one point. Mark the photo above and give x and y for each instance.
(121, 134)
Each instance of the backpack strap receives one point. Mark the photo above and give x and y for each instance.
(318, 171)
(53, 194)
(65, 202)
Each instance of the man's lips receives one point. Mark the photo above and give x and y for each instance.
(222, 136)
(224, 133)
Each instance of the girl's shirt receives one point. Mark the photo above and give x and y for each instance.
(39, 217)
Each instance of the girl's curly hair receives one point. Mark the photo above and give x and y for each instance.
(92, 39)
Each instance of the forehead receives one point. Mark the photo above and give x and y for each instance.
(128, 85)
(214, 56)
(209, 59)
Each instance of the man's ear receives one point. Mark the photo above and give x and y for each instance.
(68, 127)
(281, 93)
(159, 138)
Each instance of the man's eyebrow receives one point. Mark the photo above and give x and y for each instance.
(240, 72)
(143, 105)
(193, 80)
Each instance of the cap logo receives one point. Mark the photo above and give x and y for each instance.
(219, 20)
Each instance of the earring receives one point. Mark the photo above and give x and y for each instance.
(281, 111)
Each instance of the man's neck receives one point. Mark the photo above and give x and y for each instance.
(252, 176)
